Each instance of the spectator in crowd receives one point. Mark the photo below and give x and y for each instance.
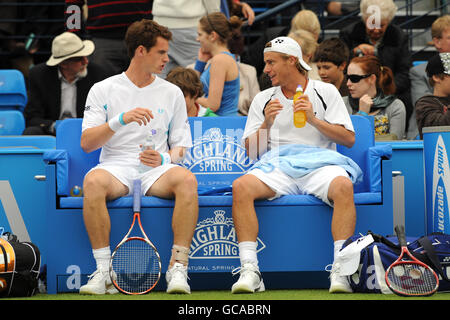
(248, 80)
(106, 24)
(123, 109)
(270, 127)
(308, 43)
(333, 8)
(182, 17)
(332, 58)
(420, 85)
(339, 8)
(302, 20)
(376, 35)
(372, 92)
(58, 88)
(432, 109)
(216, 65)
(238, 8)
(189, 82)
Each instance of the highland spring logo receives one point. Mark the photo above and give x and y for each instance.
(216, 158)
(215, 238)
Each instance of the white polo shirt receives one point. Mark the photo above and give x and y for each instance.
(118, 94)
(283, 130)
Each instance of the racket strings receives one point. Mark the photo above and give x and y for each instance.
(412, 279)
(137, 266)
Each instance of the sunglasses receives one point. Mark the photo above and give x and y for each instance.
(355, 78)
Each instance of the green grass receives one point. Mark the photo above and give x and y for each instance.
(226, 295)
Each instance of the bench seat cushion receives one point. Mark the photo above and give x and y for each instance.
(222, 201)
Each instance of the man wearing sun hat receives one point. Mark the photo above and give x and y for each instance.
(269, 129)
(432, 110)
(58, 88)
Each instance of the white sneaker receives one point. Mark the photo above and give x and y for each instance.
(176, 278)
(250, 280)
(338, 283)
(99, 283)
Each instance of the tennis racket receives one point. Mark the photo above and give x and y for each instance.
(408, 276)
(135, 266)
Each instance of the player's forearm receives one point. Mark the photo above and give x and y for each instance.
(94, 138)
(335, 132)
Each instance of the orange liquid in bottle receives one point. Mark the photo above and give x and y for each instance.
(299, 116)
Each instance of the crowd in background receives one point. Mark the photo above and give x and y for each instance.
(207, 38)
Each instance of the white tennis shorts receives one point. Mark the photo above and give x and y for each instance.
(315, 183)
(127, 174)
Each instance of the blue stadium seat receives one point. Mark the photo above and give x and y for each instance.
(12, 122)
(13, 94)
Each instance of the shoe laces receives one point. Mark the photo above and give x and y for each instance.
(97, 275)
(332, 268)
(245, 269)
(178, 270)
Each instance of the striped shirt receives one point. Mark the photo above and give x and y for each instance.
(110, 19)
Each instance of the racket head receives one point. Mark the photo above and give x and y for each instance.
(408, 276)
(135, 266)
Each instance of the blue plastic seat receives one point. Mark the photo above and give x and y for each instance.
(12, 122)
(13, 94)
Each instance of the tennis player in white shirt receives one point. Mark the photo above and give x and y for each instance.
(270, 125)
(120, 112)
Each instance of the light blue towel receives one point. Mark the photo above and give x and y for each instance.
(297, 160)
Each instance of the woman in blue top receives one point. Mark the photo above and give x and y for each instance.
(220, 78)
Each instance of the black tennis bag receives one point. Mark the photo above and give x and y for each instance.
(20, 264)
(375, 259)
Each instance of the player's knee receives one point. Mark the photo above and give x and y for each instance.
(188, 182)
(341, 188)
(242, 188)
(94, 185)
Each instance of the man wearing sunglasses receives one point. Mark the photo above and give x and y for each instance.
(58, 88)
(269, 129)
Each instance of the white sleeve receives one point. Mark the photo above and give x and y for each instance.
(94, 110)
(179, 129)
(336, 112)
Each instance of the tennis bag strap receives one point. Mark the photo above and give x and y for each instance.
(430, 253)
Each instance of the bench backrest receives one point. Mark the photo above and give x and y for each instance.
(217, 156)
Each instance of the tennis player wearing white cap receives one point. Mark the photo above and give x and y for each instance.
(269, 126)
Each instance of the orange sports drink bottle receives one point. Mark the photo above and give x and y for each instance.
(299, 116)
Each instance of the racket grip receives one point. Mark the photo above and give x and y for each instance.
(400, 231)
(137, 195)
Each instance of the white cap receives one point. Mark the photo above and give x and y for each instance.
(349, 257)
(288, 46)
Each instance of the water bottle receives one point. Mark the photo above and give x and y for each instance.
(148, 144)
(299, 116)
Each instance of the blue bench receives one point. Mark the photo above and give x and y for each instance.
(294, 243)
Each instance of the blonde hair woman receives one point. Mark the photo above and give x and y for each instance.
(309, 45)
(306, 20)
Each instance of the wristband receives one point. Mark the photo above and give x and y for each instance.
(116, 122)
(165, 158)
(362, 113)
(200, 66)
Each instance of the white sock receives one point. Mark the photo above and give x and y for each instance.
(247, 252)
(337, 247)
(102, 257)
